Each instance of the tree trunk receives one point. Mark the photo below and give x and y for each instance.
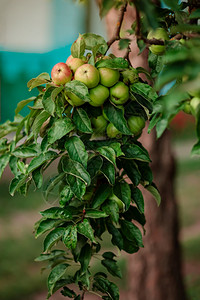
(155, 272)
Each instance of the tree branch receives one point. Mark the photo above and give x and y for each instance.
(116, 35)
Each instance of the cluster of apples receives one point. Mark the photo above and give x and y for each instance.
(102, 83)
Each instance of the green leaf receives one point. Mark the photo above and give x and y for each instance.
(123, 191)
(94, 213)
(111, 208)
(146, 173)
(76, 150)
(154, 191)
(59, 213)
(53, 237)
(13, 165)
(40, 160)
(39, 80)
(115, 116)
(78, 47)
(37, 177)
(132, 233)
(132, 171)
(103, 285)
(23, 103)
(137, 197)
(38, 122)
(85, 229)
(16, 183)
(59, 129)
(106, 5)
(85, 257)
(173, 4)
(49, 256)
(79, 89)
(108, 171)
(56, 274)
(129, 247)
(195, 14)
(68, 293)
(112, 267)
(65, 195)
(52, 183)
(117, 239)
(45, 225)
(92, 40)
(56, 92)
(102, 193)
(82, 121)
(77, 186)
(70, 237)
(94, 165)
(113, 63)
(108, 153)
(117, 148)
(4, 160)
(74, 168)
(133, 151)
(24, 152)
(196, 149)
(124, 43)
(48, 102)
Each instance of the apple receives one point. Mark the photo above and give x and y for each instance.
(74, 63)
(119, 93)
(187, 107)
(73, 99)
(108, 77)
(98, 95)
(195, 105)
(87, 74)
(61, 74)
(136, 124)
(159, 34)
(113, 132)
(99, 124)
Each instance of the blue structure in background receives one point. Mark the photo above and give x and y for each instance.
(16, 68)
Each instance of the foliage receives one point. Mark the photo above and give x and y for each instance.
(98, 178)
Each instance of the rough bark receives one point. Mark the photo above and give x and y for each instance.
(155, 272)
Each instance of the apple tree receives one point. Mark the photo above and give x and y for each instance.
(87, 119)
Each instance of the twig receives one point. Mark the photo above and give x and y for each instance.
(82, 296)
(126, 56)
(116, 35)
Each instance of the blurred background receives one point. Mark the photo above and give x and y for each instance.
(35, 35)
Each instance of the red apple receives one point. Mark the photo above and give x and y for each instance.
(87, 74)
(74, 63)
(61, 74)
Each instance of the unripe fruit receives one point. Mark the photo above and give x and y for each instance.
(98, 95)
(187, 107)
(113, 132)
(108, 77)
(119, 93)
(74, 63)
(87, 74)
(136, 124)
(99, 124)
(73, 99)
(159, 34)
(195, 105)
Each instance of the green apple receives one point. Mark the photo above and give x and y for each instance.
(119, 202)
(159, 34)
(98, 95)
(73, 99)
(136, 124)
(108, 77)
(87, 74)
(99, 124)
(119, 93)
(113, 132)
(61, 74)
(74, 63)
(195, 105)
(187, 107)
